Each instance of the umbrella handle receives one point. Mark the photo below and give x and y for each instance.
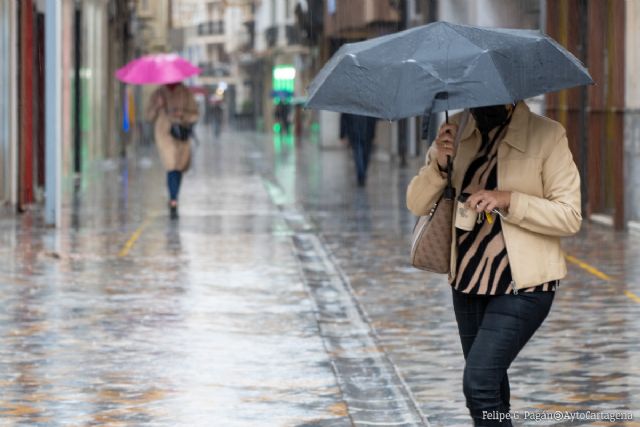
(449, 191)
(426, 115)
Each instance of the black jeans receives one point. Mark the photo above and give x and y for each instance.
(361, 155)
(493, 329)
(174, 178)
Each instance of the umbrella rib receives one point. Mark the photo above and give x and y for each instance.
(486, 30)
(490, 53)
(484, 51)
(454, 28)
(574, 61)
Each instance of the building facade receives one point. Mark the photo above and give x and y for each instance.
(93, 44)
(212, 34)
(283, 61)
(153, 20)
(602, 120)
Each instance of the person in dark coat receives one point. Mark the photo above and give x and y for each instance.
(360, 131)
(282, 115)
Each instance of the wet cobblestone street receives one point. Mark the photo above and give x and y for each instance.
(281, 297)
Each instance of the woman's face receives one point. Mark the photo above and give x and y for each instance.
(490, 116)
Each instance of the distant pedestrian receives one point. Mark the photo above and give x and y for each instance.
(282, 115)
(215, 113)
(174, 110)
(524, 193)
(298, 121)
(218, 113)
(360, 131)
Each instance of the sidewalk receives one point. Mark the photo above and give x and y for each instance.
(125, 318)
(586, 356)
(281, 297)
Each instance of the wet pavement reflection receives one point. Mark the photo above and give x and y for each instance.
(202, 322)
(281, 297)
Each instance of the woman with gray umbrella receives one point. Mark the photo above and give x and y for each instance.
(514, 170)
(523, 187)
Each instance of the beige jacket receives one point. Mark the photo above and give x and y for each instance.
(536, 165)
(176, 105)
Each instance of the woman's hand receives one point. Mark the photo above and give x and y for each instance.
(444, 143)
(486, 200)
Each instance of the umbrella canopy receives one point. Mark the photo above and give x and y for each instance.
(442, 66)
(157, 69)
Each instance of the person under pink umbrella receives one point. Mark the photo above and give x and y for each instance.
(173, 110)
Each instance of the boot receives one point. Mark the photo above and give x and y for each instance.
(173, 210)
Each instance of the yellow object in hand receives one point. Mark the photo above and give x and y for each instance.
(489, 217)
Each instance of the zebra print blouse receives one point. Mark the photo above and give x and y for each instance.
(483, 264)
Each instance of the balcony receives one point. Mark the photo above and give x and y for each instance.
(294, 36)
(215, 69)
(251, 36)
(271, 35)
(211, 28)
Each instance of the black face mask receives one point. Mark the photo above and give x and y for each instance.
(489, 117)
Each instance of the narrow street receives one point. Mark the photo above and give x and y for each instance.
(281, 297)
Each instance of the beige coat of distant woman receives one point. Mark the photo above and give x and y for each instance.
(172, 105)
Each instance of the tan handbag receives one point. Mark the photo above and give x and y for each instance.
(431, 243)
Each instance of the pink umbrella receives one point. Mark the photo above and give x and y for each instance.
(157, 69)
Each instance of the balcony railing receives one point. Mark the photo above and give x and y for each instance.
(294, 36)
(215, 69)
(251, 32)
(292, 33)
(271, 34)
(211, 28)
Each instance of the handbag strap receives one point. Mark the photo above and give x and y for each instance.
(449, 191)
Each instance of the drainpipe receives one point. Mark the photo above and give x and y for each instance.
(77, 87)
(403, 125)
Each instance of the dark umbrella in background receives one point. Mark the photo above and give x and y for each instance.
(442, 66)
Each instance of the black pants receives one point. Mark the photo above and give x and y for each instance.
(361, 155)
(174, 178)
(493, 330)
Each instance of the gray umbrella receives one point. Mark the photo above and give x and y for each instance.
(442, 66)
